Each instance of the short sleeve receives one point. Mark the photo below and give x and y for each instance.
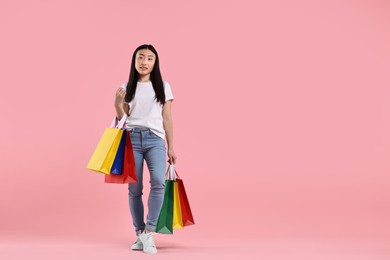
(168, 91)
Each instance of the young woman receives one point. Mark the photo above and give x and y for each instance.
(146, 99)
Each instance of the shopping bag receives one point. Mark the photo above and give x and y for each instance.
(177, 216)
(165, 218)
(128, 170)
(175, 211)
(117, 165)
(186, 213)
(105, 152)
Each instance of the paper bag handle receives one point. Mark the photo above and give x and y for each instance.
(120, 124)
(172, 173)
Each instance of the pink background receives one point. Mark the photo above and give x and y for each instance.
(281, 126)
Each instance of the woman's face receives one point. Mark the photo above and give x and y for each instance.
(144, 61)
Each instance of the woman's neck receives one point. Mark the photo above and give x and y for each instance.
(145, 78)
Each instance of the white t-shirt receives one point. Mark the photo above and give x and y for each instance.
(145, 111)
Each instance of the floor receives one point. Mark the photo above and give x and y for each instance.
(178, 246)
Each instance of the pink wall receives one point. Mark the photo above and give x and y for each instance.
(281, 114)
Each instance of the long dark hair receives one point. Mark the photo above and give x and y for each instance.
(155, 77)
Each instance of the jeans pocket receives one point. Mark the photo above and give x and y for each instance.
(155, 136)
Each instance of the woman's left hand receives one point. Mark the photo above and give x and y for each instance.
(172, 156)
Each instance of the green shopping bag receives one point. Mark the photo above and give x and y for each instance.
(165, 219)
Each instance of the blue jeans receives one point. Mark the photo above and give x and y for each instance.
(149, 146)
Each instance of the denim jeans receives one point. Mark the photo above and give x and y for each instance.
(149, 146)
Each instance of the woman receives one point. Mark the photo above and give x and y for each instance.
(146, 99)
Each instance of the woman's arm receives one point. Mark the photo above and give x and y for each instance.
(167, 122)
(126, 109)
(120, 107)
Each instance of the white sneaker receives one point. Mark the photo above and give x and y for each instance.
(137, 245)
(148, 242)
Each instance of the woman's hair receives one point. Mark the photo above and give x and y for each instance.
(155, 77)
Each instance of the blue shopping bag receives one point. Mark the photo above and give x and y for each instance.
(117, 166)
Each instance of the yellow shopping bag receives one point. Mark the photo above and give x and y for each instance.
(177, 218)
(104, 154)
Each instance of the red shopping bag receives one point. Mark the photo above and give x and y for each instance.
(128, 173)
(186, 213)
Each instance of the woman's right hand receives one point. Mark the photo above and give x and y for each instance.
(120, 96)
